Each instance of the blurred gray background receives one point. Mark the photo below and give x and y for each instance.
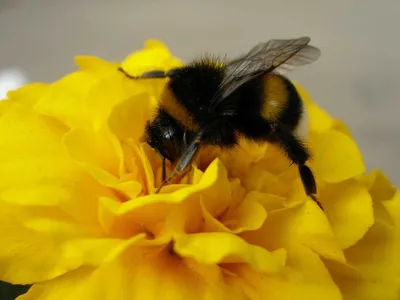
(356, 79)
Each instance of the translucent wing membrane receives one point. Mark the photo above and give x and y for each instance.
(263, 58)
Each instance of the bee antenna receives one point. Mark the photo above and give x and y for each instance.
(148, 75)
(126, 74)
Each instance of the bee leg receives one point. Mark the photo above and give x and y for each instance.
(310, 186)
(183, 162)
(185, 142)
(297, 152)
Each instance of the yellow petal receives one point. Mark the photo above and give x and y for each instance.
(348, 206)
(93, 148)
(34, 169)
(155, 44)
(217, 195)
(376, 258)
(210, 223)
(72, 285)
(218, 200)
(128, 187)
(29, 149)
(28, 94)
(250, 215)
(65, 100)
(85, 100)
(304, 277)
(379, 186)
(144, 273)
(128, 119)
(135, 176)
(148, 220)
(108, 92)
(319, 120)
(153, 209)
(222, 205)
(101, 156)
(95, 64)
(114, 225)
(376, 255)
(140, 273)
(188, 217)
(220, 247)
(342, 127)
(42, 243)
(361, 289)
(336, 157)
(269, 184)
(305, 224)
(155, 56)
(208, 182)
(268, 201)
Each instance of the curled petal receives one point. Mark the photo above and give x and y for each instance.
(140, 273)
(220, 247)
(49, 242)
(135, 109)
(319, 120)
(336, 157)
(348, 206)
(375, 257)
(304, 224)
(94, 149)
(155, 56)
(72, 285)
(304, 277)
(250, 215)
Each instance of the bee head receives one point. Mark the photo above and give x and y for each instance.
(165, 135)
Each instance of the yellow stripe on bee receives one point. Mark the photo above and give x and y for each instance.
(171, 105)
(275, 97)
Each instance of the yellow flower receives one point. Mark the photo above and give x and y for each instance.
(79, 217)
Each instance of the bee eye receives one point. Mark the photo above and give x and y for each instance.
(168, 134)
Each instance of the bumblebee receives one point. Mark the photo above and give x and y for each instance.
(213, 102)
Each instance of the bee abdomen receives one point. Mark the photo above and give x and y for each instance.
(281, 102)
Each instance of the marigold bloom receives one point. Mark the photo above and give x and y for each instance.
(79, 217)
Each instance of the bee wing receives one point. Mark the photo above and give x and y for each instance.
(274, 55)
(305, 56)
